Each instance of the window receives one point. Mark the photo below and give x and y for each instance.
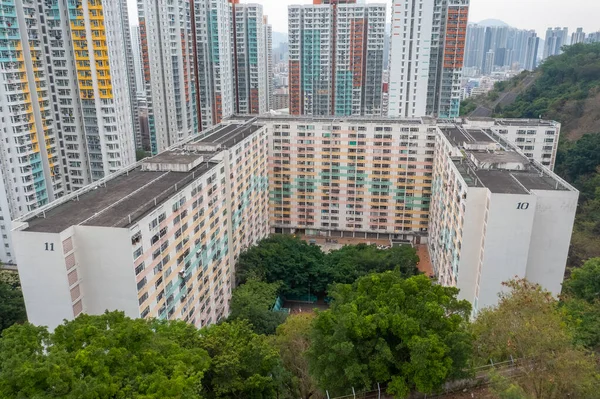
(143, 298)
(141, 284)
(139, 269)
(137, 253)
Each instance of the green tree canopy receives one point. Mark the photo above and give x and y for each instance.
(293, 341)
(301, 267)
(527, 325)
(350, 262)
(12, 306)
(108, 356)
(584, 282)
(243, 364)
(408, 333)
(253, 302)
(581, 301)
(285, 259)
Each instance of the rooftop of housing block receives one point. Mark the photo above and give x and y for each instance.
(123, 198)
(488, 161)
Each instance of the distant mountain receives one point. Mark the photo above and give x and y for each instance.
(278, 38)
(492, 22)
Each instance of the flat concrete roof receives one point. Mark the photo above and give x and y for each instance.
(124, 200)
(228, 136)
(499, 157)
(174, 156)
(524, 122)
(347, 119)
(479, 136)
(508, 181)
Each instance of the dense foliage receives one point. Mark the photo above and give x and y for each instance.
(287, 260)
(353, 261)
(12, 306)
(568, 77)
(243, 364)
(562, 85)
(254, 302)
(408, 333)
(300, 267)
(105, 356)
(293, 341)
(579, 163)
(581, 302)
(529, 326)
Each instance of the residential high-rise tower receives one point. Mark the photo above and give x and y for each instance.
(249, 58)
(447, 57)
(410, 48)
(555, 39)
(336, 58)
(65, 101)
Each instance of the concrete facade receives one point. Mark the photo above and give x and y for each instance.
(496, 215)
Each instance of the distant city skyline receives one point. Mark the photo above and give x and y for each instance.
(522, 14)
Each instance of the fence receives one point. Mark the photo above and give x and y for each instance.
(509, 368)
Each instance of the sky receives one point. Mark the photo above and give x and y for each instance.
(522, 14)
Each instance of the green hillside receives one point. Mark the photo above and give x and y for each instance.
(566, 89)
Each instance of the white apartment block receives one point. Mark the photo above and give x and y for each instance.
(496, 215)
(159, 239)
(410, 51)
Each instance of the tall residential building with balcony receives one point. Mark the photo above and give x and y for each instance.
(268, 33)
(92, 72)
(410, 51)
(249, 47)
(160, 239)
(167, 46)
(496, 215)
(447, 56)
(211, 22)
(336, 58)
(65, 101)
(31, 166)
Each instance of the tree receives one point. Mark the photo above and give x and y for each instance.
(104, 356)
(527, 325)
(243, 364)
(584, 282)
(254, 302)
(285, 259)
(350, 262)
(408, 333)
(293, 341)
(581, 302)
(12, 306)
